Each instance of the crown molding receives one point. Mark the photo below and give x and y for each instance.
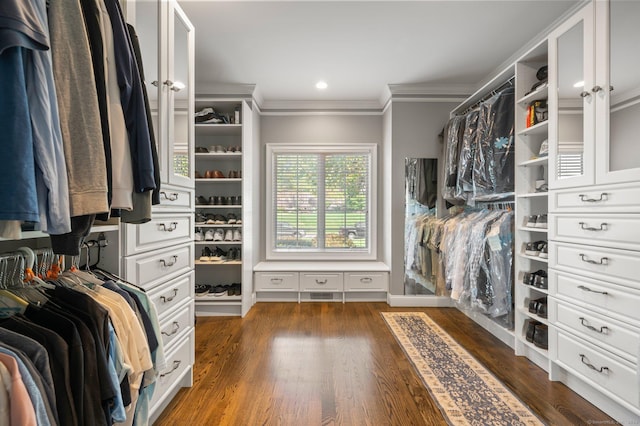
(218, 91)
(320, 108)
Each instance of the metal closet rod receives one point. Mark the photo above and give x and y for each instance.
(508, 83)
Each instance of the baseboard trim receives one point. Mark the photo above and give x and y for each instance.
(418, 301)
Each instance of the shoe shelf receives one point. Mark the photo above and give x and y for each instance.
(218, 154)
(219, 129)
(540, 161)
(526, 313)
(218, 262)
(530, 229)
(211, 299)
(532, 195)
(537, 129)
(541, 351)
(222, 225)
(221, 243)
(210, 180)
(218, 206)
(528, 256)
(537, 95)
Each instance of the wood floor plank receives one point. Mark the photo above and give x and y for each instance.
(338, 364)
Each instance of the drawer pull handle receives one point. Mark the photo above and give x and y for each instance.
(172, 227)
(603, 260)
(581, 287)
(603, 329)
(166, 299)
(366, 280)
(276, 280)
(591, 366)
(176, 327)
(603, 227)
(170, 263)
(321, 281)
(171, 197)
(603, 197)
(176, 365)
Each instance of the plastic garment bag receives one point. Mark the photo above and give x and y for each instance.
(454, 133)
(464, 185)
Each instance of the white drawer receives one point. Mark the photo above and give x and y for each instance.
(150, 269)
(177, 324)
(366, 281)
(174, 199)
(161, 231)
(605, 298)
(598, 367)
(602, 331)
(178, 361)
(276, 281)
(609, 198)
(611, 265)
(321, 281)
(611, 230)
(169, 295)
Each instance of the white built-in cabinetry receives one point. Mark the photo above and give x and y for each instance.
(531, 167)
(226, 148)
(158, 255)
(594, 204)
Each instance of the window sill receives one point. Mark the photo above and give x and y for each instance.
(341, 266)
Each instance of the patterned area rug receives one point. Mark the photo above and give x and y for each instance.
(467, 393)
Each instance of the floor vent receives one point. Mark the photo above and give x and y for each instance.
(321, 296)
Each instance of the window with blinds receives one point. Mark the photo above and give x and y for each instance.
(320, 199)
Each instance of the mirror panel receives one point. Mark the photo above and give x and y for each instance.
(571, 98)
(421, 199)
(180, 91)
(624, 80)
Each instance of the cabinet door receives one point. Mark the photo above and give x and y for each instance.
(180, 95)
(617, 90)
(571, 104)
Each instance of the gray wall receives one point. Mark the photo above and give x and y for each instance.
(415, 130)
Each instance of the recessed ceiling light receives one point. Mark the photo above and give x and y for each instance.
(579, 84)
(321, 85)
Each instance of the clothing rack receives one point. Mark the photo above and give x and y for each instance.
(509, 83)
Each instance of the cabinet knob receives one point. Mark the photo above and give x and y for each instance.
(596, 89)
(584, 94)
(155, 83)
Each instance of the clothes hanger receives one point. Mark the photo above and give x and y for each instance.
(30, 276)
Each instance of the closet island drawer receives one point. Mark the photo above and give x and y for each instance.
(150, 269)
(611, 230)
(611, 265)
(178, 362)
(610, 198)
(602, 331)
(321, 281)
(159, 232)
(176, 324)
(276, 281)
(599, 296)
(605, 370)
(366, 281)
(174, 199)
(169, 295)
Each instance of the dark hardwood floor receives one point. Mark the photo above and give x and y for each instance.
(338, 364)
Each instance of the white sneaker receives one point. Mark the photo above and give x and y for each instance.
(209, 235)
(218, 235)
(237, 236)
(199, 236)
(228, 236)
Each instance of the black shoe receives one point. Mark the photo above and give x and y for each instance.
(541, 308)
(541, 336)
(200, 200)
(531, 329)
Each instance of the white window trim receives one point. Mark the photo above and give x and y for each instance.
(346, 254)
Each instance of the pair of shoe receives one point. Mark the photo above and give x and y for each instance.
(539, 307)
(538, 334)
(235, 174)
(235, 149)
(211, 235)
(234, 289)
(213, 174)
(234, 253)
(218, 149)
(209, 116)
(201, 290)
(201, 150)
(232, 235)
(536, 279)
(209, 255)
(537, 221)
(537, 248)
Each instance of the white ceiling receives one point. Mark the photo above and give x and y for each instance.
(358, 47)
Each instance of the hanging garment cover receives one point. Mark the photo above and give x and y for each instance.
(454, 134)
(464, 187)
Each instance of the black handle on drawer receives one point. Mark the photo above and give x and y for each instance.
(581, 287)
(172, 226)
(603, 260)
(603, 227)
(603, 330)
(591, 366)
(170, 263)
(176, 365)
(321, 281)
(171, 197)
(166, 299)
(176, 327)
(365, 280)
(276, 280)
(603, 197)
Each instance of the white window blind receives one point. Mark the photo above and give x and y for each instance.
(320, 200)
(569, 159)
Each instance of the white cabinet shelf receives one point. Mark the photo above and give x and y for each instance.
(540, 161)
(539, 94)
(537, 129)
